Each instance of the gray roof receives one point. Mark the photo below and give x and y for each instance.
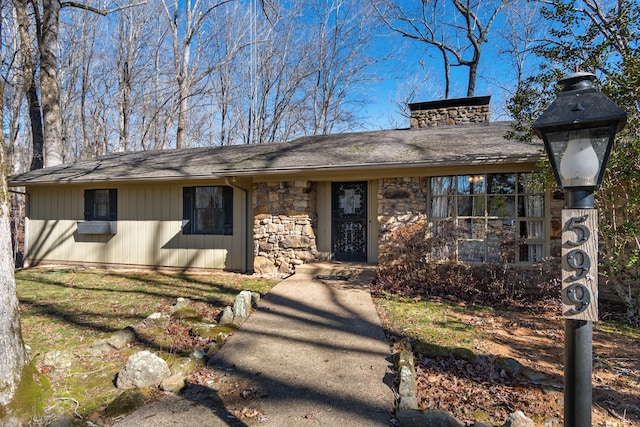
(428, 147)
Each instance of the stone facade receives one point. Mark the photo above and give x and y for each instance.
(450, 112)
(284, 221)
(400, 201)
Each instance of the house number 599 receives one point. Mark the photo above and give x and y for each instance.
(579, 272)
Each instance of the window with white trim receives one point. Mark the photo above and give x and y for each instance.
(487, 218)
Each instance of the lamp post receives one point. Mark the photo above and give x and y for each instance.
(578, 130)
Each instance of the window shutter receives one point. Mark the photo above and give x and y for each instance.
(187, 210)
(88, 205)
(113, 204)
(228, 210)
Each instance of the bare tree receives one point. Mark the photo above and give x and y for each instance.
(444, 24)
(187, 20)
(341, 35)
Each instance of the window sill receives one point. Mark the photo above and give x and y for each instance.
(97, 227)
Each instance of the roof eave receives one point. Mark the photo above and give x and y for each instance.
(477, 161)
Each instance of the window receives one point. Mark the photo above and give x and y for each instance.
(101, 205)
(492, 217)
(207, 210)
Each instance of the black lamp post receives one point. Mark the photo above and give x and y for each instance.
(578, 130)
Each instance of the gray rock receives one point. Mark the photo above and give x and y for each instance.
(438, 418)
(408, 402)
(435, 418)
(227, 316)
(519, 419)
(533, 375)
(183, 366)
(157, 320)
(242, 307)
(174, 383)
(180, 303)
(143, 369)
(255, 299)
(407, 386)
(509, 365)
(122, 338)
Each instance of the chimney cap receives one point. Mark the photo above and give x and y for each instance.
(450, 102)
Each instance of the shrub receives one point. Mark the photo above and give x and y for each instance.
(405, 269)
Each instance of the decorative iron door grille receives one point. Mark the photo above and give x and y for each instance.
(349, 221)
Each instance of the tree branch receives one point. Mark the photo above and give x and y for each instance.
(103, 12)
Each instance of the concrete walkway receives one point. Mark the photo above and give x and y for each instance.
(313, 353)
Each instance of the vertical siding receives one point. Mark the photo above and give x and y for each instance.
(323, 233)
(373, 227)
(149, 230)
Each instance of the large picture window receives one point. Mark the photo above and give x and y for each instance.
(208, 210)
(492, 217)
(101, 205)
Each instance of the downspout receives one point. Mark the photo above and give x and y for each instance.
(243, 230)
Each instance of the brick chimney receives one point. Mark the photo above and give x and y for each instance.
(450, 112)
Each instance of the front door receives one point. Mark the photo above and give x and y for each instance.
(349, 221)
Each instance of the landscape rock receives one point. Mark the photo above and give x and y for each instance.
(407, 386)
(183, 366)
(255, 299)
(438, 418)
(157, 320)
(143, 369)
(519, 419)
(122, 338)
(408, 402)
(180, 303)
(433, 418)
(264, 266)
(174, 383)
(241, 307)
(509, 365)
(227, 316)
(533, 375)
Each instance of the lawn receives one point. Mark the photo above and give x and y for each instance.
(64, 311)
(68, 310)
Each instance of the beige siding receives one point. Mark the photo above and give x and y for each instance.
(149, 230)
(323, 233)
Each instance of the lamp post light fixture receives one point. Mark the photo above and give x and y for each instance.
(578, 130)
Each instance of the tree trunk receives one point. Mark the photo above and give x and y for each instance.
(30, 88)
(12, 351)
(49, 88)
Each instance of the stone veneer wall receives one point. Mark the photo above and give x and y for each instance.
(400, 201)
(453, 115)
(285, 217)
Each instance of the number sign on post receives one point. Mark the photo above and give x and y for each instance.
(580, 264)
